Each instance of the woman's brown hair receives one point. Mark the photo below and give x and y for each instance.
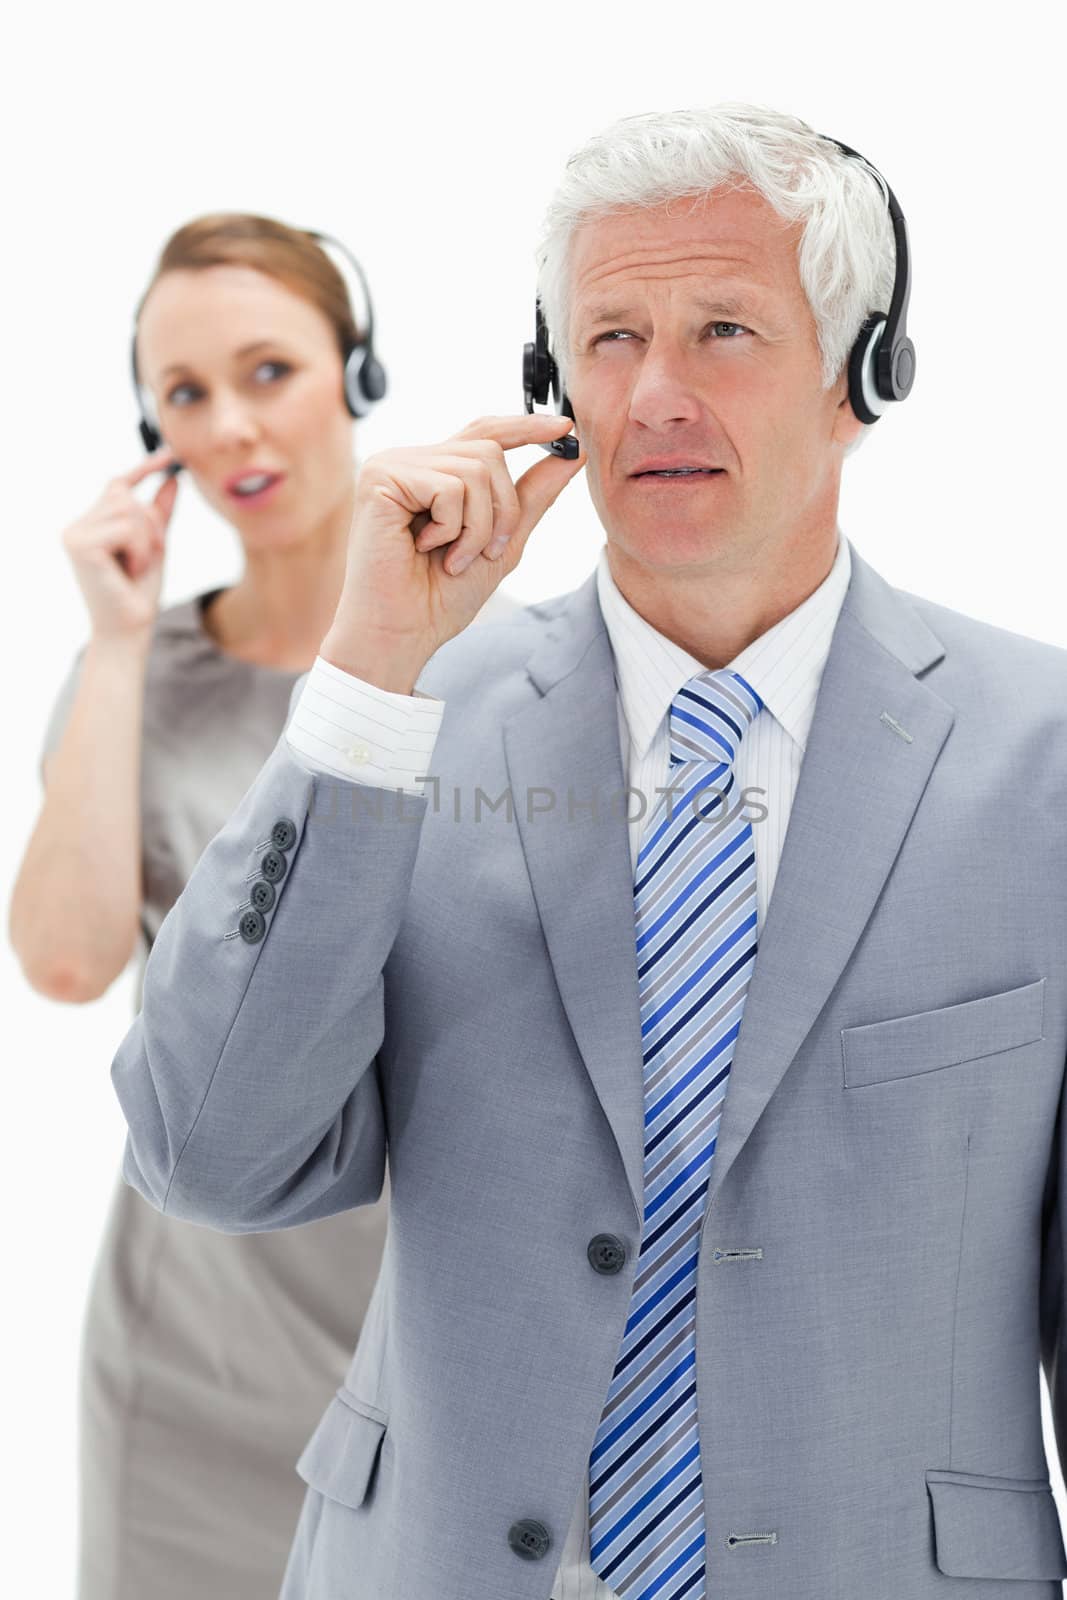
(291, 255)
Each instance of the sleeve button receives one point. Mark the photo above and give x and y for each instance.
(252, 927)
(283, 834)
(273, 866)
(262, 896)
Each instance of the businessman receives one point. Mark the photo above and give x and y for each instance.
(692, 948)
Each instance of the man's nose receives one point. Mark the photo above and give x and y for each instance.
(663, 391)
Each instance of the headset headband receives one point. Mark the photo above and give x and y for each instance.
(328, 238)
(894, 354)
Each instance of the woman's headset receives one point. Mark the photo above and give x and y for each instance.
(881, 364)
(364, 375)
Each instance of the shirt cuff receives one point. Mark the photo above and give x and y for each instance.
(352, 729)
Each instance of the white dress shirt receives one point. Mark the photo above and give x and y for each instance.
(352, 729)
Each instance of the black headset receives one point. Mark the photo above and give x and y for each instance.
(364, 375)
(881, 364)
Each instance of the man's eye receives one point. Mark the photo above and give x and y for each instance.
(615, 333)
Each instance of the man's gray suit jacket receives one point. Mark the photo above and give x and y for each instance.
(453, 988)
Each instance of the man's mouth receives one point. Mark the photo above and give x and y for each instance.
(681, 472)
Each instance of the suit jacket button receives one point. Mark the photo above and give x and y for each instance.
(606, 1253)
(252, 927)
(529, 1539)
(262, 896)
(273, 866)
(283, 834)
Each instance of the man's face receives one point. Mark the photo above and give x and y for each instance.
(692, 343)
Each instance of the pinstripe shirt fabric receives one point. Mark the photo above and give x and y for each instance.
(352, 729)
(784, 666)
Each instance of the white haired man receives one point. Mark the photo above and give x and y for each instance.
(725, 1232)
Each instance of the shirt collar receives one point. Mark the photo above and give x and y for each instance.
(784, 665)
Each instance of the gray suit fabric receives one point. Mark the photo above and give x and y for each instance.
(882, 1256)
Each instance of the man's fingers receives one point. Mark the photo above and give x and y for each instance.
(482, 473)
(470, 526)
(460, 493)
(442, 494)
(543, 482)
(539, 486)
(510, 432)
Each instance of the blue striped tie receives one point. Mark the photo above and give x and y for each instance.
(695, 910)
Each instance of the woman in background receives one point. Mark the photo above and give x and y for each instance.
(207, 1358)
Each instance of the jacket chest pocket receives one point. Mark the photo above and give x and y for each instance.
(987, 1527)
(927, 1041)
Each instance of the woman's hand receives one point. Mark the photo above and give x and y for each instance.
(117, 551)
(434, 530)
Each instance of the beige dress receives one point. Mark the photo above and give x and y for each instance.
(207, 1358)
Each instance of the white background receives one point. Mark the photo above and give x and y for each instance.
(430, 141)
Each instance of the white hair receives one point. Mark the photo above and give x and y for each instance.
(846, 254)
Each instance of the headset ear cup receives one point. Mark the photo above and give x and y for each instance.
(901, 369)
(364, 381)
(372, 378)
(536, 372)
(354, 397)
(862, 391)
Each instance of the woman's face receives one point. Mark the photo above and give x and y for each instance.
(246, 376)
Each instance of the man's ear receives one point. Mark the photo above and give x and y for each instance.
(847, 427)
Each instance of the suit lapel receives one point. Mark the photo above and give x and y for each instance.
(860, 782)
(566, 744)
(859, 785)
